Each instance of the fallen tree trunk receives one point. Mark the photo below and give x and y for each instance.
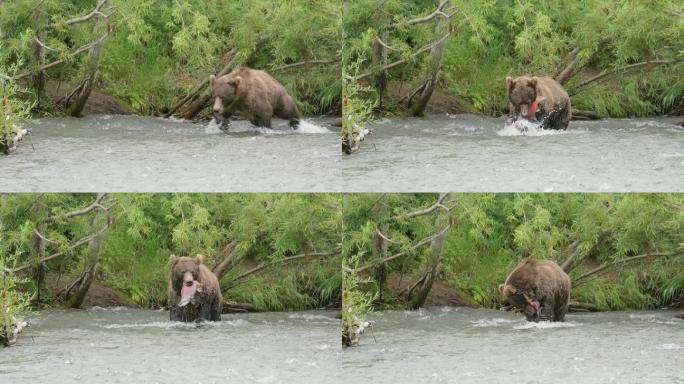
(579, 114)
(582, 278)
(235, 307)
(583, 307)
(83, 282)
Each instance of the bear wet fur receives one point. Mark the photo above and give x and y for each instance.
(540, 288)
(207, 300)
(554, 110)
(253, 94)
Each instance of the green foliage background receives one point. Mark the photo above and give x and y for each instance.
(494, 232)
(161, 49)
(147, 228)
(498, 38)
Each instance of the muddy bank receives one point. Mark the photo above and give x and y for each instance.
(98, 103)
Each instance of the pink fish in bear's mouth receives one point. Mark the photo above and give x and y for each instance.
(188, 292)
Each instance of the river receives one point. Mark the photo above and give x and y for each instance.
(464, 345)
(122, 345)
(147, 154)
(469, 153)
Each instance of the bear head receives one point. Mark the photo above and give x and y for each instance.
(185, 272)
(522, 92)
(524, 299)
(224, 90)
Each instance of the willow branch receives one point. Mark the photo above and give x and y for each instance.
(265, 265)
(421, 50)
(77, 244)
(605, 266)
(307, 62)
(75, 53)
(626, 68)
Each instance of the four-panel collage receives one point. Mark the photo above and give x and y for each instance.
(320, 191)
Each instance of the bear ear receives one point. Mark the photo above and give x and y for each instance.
(501, 287)
(533, 82)
(199, 259)
(509, 80)
(173, 259)
(509, 290)
(212, 80)
(235, 81)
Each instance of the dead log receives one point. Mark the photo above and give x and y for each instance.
(235, 307)
(38, 80)
(579, 114)
(10, 142)
(566, 73)
(583, 307)
(9, 336)
(352, 142)
(418, 293)
(83, 90)
(573, 259)
(352, 334)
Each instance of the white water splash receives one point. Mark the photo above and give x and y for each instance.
(155, 324)
(307, 127)
(213, 127)
(546, 325)
(524, 127)
(310, 317)
(486, 323)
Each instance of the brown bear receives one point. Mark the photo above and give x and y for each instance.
(540, 288)
(194, 291)
(253, 94)
(540, 99)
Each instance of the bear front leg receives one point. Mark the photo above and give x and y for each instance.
(216, 310)
(261, 121)
(553, 120)
(223, 121)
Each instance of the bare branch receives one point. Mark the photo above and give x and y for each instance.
(96, 12)
(605, 266)
(437, 205)
(419, 244)
(437, 12)
(95, 205)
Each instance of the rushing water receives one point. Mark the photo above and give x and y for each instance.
(139, 346)
(474, 153)
(463, 345)
(132, 153)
